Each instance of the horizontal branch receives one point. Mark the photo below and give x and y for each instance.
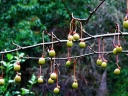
(64, 41)
(75, 57)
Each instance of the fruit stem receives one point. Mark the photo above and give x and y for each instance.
(2, 73)
(52, 39)
(99, 48)
(81, 30)
(117, 62)
(103, 50)
(75, 69)
(54, 65)
(68, 53)
(40, 70)
(56, 71)
(127, 6)
(118, 29)
(114, 41)
(71, 27)
(43, 41)
(51, 65)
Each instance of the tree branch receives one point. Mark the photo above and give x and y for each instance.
(64, 41)
(91, 13)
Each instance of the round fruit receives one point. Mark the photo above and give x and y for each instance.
(53, 76)
(117, 71)
(41, 60)
(2, 81)
(56, 90)
(52, 53)
(68, 63)
(76, 36)
(118, 49)
(82, 44)
(114, 51)
(50, 81)
(40, 80)
(125, 24)
(74, 85)
(104, 64)
(69, 43)
(70, 37)
(17, 78)
(99, 62)
(16, 67)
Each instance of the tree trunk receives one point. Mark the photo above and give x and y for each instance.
(102, 91)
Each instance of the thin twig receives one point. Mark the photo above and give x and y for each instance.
(67, 8)
(91, 13)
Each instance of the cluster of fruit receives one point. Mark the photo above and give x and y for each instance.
(75, 37)
(116, 50)
(17, 68)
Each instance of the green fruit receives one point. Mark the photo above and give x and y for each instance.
(117, 71)
(99, 62)
(52, 53)
(41, 61)
(17, 78)
(68, 63)
(2, 81)
(74, 85)
(70, 37)
(53, 76)
(40, 80)
(50, 81)
(16, 67)
(125, 24)
(76, 36)
(104, 65)
(82, 44)
(114, 51)
(118, 49)
(69, 43)
(56, 90)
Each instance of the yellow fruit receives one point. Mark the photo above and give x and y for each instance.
(118, 49)
(125, 24)
(16, 67)
(2, 81)
(70, 37)
(114, 51)
(74, 85)
(82, 44)
(104, 64)
(40, 80)
(50, 81)
(41, 61)
(69, 43)
(99, 62)
(68, 63)
(56, 90)
(76, 36)
(53, 76)
(17, 78)
(52, 53)
(117, 71)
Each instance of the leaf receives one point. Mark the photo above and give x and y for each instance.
(9, 57)
(24, 91)
(4, 63)
(21, 54)
(11, 81)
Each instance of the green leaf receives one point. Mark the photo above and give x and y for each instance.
(9, 57)
(21, 54)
